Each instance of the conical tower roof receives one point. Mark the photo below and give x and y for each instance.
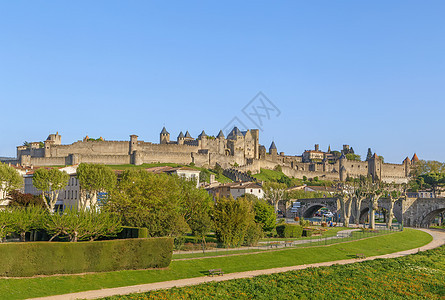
(203, 134)
(187, 134)
(220, 134)
(415, 158)
(164, 131)
(181, 135)
(273, 146)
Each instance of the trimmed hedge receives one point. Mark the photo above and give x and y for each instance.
(289, 231)
(45, 258)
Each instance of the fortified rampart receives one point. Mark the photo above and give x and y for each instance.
(240, 149)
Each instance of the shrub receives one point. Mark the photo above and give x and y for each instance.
(324, 224)
(45, 258)
(289, 231)
(304, 222)
(253, 235)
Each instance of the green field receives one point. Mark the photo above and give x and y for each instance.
(45, 286)
(417, 276)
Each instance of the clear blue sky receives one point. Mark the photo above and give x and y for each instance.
(364, 73)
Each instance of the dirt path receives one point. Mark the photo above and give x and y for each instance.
(438, 240)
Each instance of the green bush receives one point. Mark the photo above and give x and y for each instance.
(289, 231)
(45, 258)
(253, 235)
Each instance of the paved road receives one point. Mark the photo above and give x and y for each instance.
(438, 240)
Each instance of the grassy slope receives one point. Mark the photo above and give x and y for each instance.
(268, 175)
(418, 276)
(45, 286)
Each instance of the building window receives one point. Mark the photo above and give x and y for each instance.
(76, 195)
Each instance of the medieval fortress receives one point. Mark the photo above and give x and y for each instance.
(240, 151)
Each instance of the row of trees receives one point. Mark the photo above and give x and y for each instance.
(73, 224)
(355, 192)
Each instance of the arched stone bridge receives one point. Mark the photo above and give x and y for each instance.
(415, 212)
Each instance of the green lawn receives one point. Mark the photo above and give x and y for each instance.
(417, 276)
(315, 241)
(45, 286)
(332, 231)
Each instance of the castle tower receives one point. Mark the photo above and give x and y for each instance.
(375, 167)
(325, 164)
(343, 174)
(133, 143)
(341, 167)
(407, 165)
(164, 136)
(180, 138)
(202, 140)
(414, 159)
(221, 144)
(273, 151)
(256, 142)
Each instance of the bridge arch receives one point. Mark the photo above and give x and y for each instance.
(429, 218)
(310, 211)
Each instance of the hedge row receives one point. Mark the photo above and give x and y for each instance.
(45, 258)
(289, 231)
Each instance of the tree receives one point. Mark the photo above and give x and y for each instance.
(218, 169)
(369, 154)
(361, 194)
(423, 167)
(274, 192)
(345, 195)
(26, 219)
(94, 178)
(79, 225)
(352, 156)
(196, 205)
(50, 182)
(264, 215)
(376, 191)
(6, 223)
(434, 180)
(10, 179)
(204, 176)
(18, 199)
(264, 212)
(232, 219)
(144, 199)
(395, 192)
